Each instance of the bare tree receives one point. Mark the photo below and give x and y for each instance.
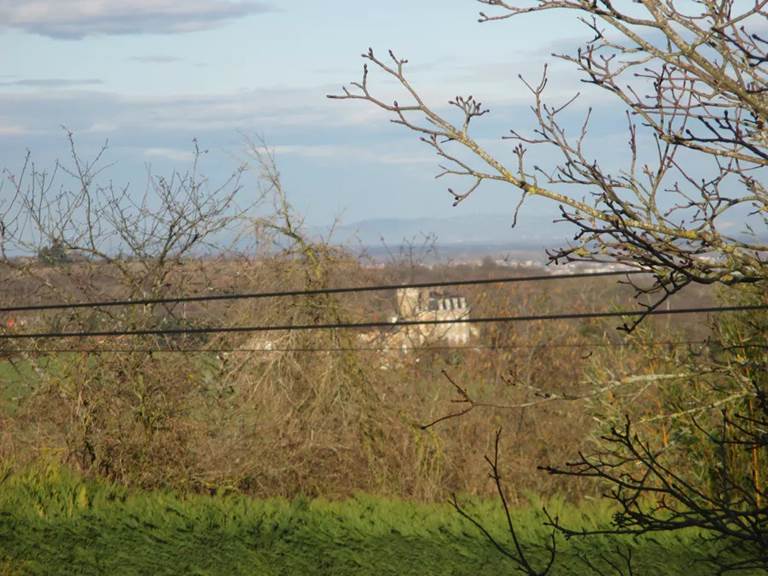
(692, 453)
(693, 82)
(99, 221)
(692, 78)
(70, 234)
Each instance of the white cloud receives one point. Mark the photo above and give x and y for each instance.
(74, 19)
(174, 154)
(12, 130)
(372, 153)
(46, 110)
(52, 82)
(156, 59)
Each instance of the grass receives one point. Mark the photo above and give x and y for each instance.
(52, 522)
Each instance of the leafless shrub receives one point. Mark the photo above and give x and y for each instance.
(694, 81)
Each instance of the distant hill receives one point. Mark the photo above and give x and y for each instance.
(466, 229)
(465, 236)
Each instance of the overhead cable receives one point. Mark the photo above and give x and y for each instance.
(314, 292)
(414, 349)
(377, 324)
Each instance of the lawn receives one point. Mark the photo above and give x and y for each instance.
(52, 522)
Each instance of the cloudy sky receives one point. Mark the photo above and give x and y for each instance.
(151, 75)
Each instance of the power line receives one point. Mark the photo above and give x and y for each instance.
(414, 349)
(378, 324)
(315, 292)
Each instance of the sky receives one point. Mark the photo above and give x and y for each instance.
(150, 76)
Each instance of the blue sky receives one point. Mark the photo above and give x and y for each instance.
(151, 75)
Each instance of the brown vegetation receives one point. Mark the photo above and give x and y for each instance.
(320, 412)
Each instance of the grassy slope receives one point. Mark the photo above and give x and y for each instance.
(53, 523)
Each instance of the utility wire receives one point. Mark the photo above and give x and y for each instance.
(414, 349)
(316, 292)
(378, 324)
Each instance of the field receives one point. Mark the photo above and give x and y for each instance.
(51, 522)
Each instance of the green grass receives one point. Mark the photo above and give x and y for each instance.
(52, 522)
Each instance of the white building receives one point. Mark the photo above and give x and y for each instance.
(417, 304)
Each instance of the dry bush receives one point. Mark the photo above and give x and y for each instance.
(315, 412)
(312, 412)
